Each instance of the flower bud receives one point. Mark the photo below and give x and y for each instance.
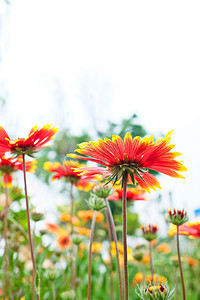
(177, 217)
(36, 216)
(102, 191)
(51, 273)
(138, 255)
(149, 232)
(96, 203)
(155, 292)
(69, 295)
(77, 239)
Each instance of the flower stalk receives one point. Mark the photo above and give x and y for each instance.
(111, 258)
(125, 179)
(151, 263)
(117, 250)
(73, 267)
(29, 232)
(6, 265)
(90, 255)
(180, 265)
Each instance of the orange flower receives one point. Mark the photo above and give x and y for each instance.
(132, 194)
(191, 261)
(138, 278)
(191, 229)
(134, 156)
(83, 231)
(86, 215)
(163, 248)
(35, 141)
(53, 228)
(156, 278)
(67, 218)
(63, 241)
(11, 165)
(146, 259)
(67, 171)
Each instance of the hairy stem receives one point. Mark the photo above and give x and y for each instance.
(73, 279)
(151, 263)
(117, 250)
(180, 265)
(111, 258)
(6, 265)
(125, 179)
(29, 231)
(90, 255)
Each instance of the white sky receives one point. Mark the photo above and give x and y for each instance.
(114, 57)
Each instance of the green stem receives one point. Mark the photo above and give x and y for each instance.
(73, 267)
(90, 255)
(29, 231)
(111, 258)
(117, 250)
(6, 265)
(151, 263)
(180, 265)
(53, 291)
(124, 200)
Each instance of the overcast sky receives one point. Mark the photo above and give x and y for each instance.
(69, 62)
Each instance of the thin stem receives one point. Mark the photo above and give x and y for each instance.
(6, 266)
(180, 265)
(71, 208)
(124, 200)
(90, 255)
(151, 263)
(111, 258)
(53, 291)
(29, 230)
(73, 279)
(19, 226)
(176, 282)
(117, 250)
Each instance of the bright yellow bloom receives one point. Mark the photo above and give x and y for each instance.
(96, 247)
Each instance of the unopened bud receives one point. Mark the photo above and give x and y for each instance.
(102, 191)
(96, 203)
(36, 216)
(177, 217)
(149, 232)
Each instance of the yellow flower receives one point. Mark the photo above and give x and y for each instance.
(96, 247)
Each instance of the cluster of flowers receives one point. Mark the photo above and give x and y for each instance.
(127, 161)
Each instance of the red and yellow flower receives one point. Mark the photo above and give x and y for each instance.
(67, 170)
(132, 194)
(135, 156)
(63, 241)
(53, 228)
(190, 229)
(35, 141)
(10, 165)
